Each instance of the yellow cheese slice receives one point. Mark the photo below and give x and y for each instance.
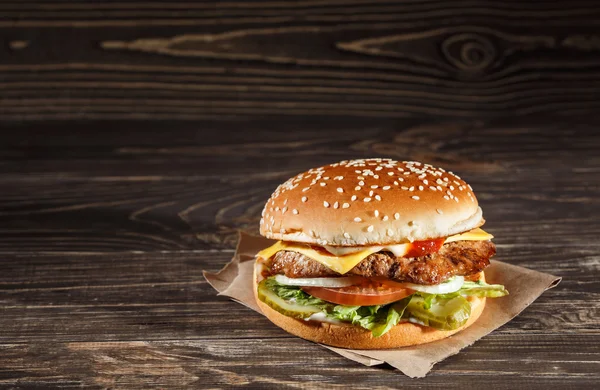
(343, 264)
(340, 264)
(472, 235)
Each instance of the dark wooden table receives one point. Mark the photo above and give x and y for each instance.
(137, 138)
(106, 228)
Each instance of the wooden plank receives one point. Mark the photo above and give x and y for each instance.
(196, 196)
(376, 59)
(120, 297)
(277, 363)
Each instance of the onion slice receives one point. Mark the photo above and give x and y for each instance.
(447, 287)
(343, 281)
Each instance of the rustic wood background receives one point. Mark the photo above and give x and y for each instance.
(370, 58)
(137, 138)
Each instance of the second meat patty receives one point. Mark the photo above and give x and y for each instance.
(455, 258)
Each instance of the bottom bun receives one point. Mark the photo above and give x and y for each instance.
(354, 337)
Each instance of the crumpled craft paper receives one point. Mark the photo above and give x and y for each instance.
(524, 285)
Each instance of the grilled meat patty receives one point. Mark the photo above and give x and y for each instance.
(455, 258)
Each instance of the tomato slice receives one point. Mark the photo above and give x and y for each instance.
(367, 293)
(422, 248)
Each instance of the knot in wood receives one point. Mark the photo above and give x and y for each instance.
(469, 51)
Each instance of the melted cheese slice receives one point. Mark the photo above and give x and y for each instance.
(471, 235)
(340, 264)
(345, 262)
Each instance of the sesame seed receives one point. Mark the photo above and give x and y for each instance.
(376, 176)
(305, 189)
(277, 208)
(425, 182)
(390, 232)
(391, 173)
(374, 186)
(283, 210)
(446, 197)
(285, 202)
(378, 168)
(439, 181)
(445, 179)
(294, 211)
(404, 188)
(396, 183)
(323, 184)
(325, 203)
(385, 218)
(377, 197)
(439, 211)
(439, 188)
(400, 179)
(385, 188)
(304, 199)
(347, 235)
(336, 205)
(415, 197)
(357, 219)
(358, 188)
(376, 212)
(422, 176)
(412, 188)
(452, 188)
(371, 193)
(468, 185)
(367, 199)
(456, 199)
(420, 188)
(345, 205)
(340, 190)
(353, 198)
(370, 228)
(361, 183)
(396, 216)
(432, 188)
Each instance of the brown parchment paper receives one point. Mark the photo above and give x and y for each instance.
(524, 285)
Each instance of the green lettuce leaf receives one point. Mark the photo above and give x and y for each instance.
(482, 289)
(440, 311)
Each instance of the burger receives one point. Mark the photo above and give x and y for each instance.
(374, 254)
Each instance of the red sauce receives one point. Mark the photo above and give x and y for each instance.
(422, 248)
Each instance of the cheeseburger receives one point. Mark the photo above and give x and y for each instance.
(374, 254)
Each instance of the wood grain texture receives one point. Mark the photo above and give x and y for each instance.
(107, 218)
(195, 186)
(394, 59)
(106, 227)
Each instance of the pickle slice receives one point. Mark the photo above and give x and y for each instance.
(283, 306)
(443, 314)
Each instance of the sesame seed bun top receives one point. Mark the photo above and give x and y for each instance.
(370, 202)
